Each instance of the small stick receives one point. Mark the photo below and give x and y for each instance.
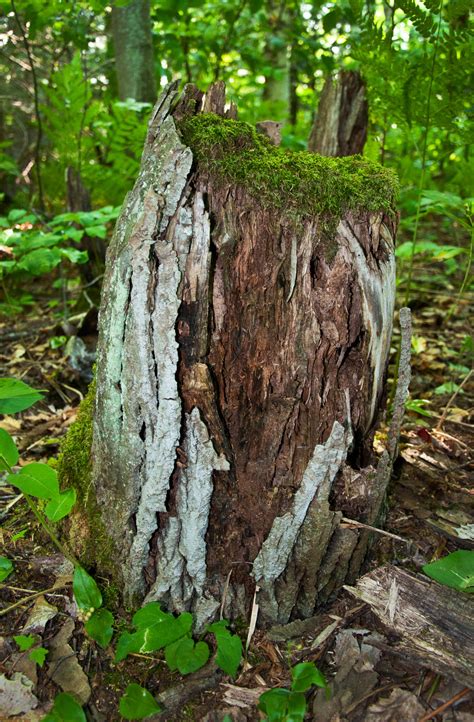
(446, 408)
(30, 597)
(445, 706)
(353, 522)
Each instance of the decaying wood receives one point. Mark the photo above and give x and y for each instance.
(240, 375)
(431, 623)
(340, 126)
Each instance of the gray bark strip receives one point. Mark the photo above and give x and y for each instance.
(377, 283)
(138, 413)
(181, 558)
(326, 461)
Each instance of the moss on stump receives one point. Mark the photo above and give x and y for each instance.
(86, 531)
(304, 184)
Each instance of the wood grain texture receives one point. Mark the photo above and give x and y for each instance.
(429, 622)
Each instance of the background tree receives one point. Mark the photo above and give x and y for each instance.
(134, 53)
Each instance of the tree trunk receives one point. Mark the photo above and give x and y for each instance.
(244, 334)
(78, 199)
(276, 91)
(340, 127)
(134, 56)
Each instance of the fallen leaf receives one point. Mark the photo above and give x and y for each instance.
(16, 696)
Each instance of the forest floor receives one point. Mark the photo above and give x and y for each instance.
(430, 498)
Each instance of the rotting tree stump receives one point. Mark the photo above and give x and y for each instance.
(340, 126)
(244, 334)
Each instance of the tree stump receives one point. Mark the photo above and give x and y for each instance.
(244, 334)
(340, 126)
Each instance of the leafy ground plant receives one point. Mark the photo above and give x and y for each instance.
(289, 705)
(455, 570)
(156, 629)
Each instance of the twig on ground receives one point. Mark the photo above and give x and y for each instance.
(30, 597)
(451, 400)
(445, 706)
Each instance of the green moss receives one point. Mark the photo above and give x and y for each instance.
(301, 183)
(87, 533)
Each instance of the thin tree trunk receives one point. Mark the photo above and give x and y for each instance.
(242, 354)
(134, 57)
(340, 126)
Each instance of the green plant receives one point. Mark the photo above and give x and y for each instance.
(156, 629)
(137, 703)
(65, 709)
(40, 481)
(25, 642)
(455, 570)
(6, 568)
(289, 705)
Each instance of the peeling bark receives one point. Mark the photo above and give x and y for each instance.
(241, 367)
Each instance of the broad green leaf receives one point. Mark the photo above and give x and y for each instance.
(6, 568)
(60, 506)
(219, 627)
(137, 703)
(274, 704)
(149, 615)
(100, 627)
(65, 709)
(96, 231)
(456, 570)
(75, 255)
(38, 655)
(185, 656)
(127, 644)
(37, 480)
(296, 707)
(304, 675)
(16, 396)
(160, 635)
(229, 652)
(40, 261)
(8, 452)
(24, 641)
(86, 592)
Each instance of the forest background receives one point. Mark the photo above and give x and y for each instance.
(78, 81)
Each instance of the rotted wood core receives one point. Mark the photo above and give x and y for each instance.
(242, 357)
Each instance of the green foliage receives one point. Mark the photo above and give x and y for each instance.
(289, 705)
(6, 568)
(156, 629)
(229, 647)
(304, 183)
(16, 396)
(8, 452)
(41, 481)
(65, 709)
(186, 656)
(86, 592)
(100, 627)
(456, 570)
(137, 703)
(26, 642)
